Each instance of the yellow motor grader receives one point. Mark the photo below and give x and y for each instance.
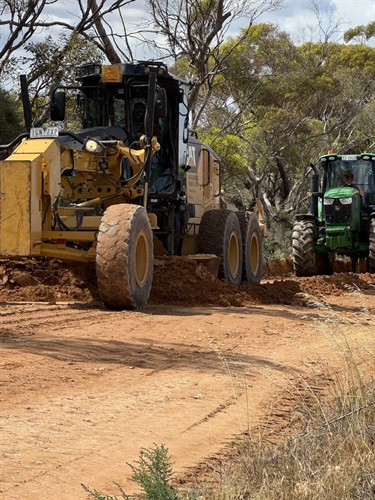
(131, 183)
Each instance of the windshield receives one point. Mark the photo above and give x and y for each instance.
(356, 172)
(111, 109)
(126, 107)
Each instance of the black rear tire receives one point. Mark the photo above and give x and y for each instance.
(220, 234)
(124, 257)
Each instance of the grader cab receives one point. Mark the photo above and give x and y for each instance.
(130, 183)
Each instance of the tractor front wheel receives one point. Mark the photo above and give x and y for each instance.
(303, 254)
(220, 234)
(306, 262)
(124, 257)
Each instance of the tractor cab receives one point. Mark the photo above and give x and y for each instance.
(346, 176)
(115, 102)
(348, 198)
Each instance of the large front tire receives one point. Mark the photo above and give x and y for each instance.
(124, 257)
(371, 250)
(303, 254)
(220, 234)
(252, 242)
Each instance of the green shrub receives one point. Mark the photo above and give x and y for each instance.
(152, 472)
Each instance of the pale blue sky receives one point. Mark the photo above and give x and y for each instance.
(296, 17)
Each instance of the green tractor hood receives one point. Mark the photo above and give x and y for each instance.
(341, 216)
(340, 192)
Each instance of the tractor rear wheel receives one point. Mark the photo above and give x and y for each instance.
(124, 257)
(220, 234)
(371, 250)
(252, 244)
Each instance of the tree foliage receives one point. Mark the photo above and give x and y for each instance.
(10, 117)
(51, 63)
(20, 21)
(360, 33)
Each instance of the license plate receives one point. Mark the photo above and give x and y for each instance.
(40, 132)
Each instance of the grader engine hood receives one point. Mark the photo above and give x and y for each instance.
(31, 171)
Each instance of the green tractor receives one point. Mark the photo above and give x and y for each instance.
(341, 220)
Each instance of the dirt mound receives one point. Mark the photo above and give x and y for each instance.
(177, 281)
(183, 281)
(337, 284)
(39, 280)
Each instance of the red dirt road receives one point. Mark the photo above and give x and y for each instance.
(83, 389)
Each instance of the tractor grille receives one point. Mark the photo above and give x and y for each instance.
(338, 213)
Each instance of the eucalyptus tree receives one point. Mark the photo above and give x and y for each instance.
(18, 24)
(10, 117)
(52, 62)
(45, 39)
(361, 34)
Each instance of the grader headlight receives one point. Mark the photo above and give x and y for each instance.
(93, 147)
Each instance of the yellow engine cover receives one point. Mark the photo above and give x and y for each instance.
(29, 173)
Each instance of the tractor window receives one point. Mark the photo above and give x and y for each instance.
(161, 178)
(362, 170)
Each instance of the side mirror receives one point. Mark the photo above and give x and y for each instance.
(58, 106)
(161, 108)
